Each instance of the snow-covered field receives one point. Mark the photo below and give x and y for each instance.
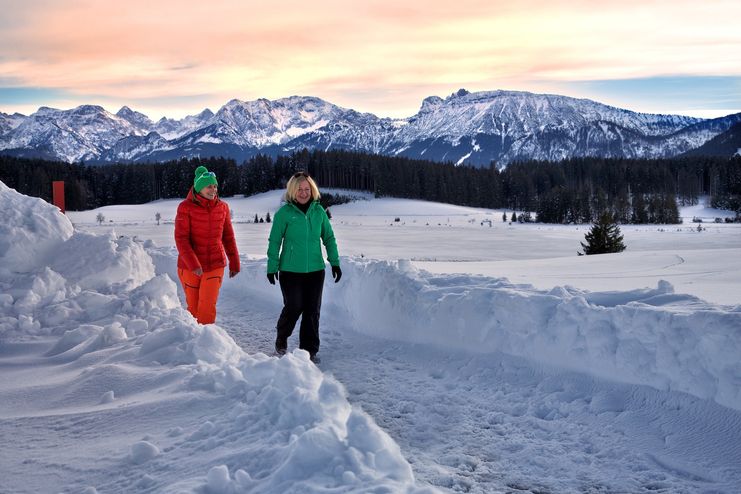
(456, 357)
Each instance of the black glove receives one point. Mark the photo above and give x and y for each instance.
(336, 273)
(272, 277)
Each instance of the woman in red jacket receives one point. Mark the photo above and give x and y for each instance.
(203, 235)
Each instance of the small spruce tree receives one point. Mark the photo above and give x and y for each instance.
(100, 218)
(604, 237)
(267, 217)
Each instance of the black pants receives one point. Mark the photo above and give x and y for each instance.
(302, 296)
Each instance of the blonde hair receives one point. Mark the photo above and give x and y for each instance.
(295, 181)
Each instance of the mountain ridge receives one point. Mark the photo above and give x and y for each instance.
(474, 128)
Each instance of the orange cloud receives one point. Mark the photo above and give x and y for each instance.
(141, 50)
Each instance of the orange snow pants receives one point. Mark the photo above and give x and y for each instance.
(201, 293)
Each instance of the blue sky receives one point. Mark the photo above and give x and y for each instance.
(703, 95)
(169, 58)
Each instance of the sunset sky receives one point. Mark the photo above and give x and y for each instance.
(175, 58)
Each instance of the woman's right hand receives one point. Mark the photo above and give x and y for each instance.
(198, 271)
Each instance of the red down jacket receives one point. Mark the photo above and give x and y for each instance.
(204, 233)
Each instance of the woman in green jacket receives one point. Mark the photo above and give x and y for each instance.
(295, 259)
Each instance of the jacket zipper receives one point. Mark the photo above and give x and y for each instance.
(306, 239)
(306, 235)
(210, 234)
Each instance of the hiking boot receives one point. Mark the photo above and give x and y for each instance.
(280, 347)
(314, 358)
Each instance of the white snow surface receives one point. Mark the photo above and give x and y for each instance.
(437, 374)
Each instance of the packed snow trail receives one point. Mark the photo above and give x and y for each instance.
(489, 422)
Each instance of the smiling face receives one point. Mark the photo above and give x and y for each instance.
(209, 191)
(303, 193)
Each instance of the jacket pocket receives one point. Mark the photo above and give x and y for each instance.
(286, 260)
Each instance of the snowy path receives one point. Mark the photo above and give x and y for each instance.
(485, 423)
(459, 380)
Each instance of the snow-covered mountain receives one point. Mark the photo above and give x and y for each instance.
(727, 143)
(505, 126)
(9, 122)
(171, 129)
(135, 118)
(473, 128)
(80, 134)
(242, 129)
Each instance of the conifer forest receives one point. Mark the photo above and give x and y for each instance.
(577, 190)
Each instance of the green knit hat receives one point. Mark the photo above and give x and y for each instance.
(203, 178)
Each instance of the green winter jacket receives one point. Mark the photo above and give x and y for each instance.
(300, 235)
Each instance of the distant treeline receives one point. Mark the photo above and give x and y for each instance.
(571, 191)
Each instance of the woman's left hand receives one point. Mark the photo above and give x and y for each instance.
(336, 273)
(232, 274)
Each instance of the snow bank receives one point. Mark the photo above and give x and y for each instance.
(30, 229)
(116, 336)
(651, 336)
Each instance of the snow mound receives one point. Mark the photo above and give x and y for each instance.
(107, 264)
(30, 230)
(117, 341)
(650, 336)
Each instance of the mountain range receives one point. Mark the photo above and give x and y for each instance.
(471, 128)
(724, 144)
